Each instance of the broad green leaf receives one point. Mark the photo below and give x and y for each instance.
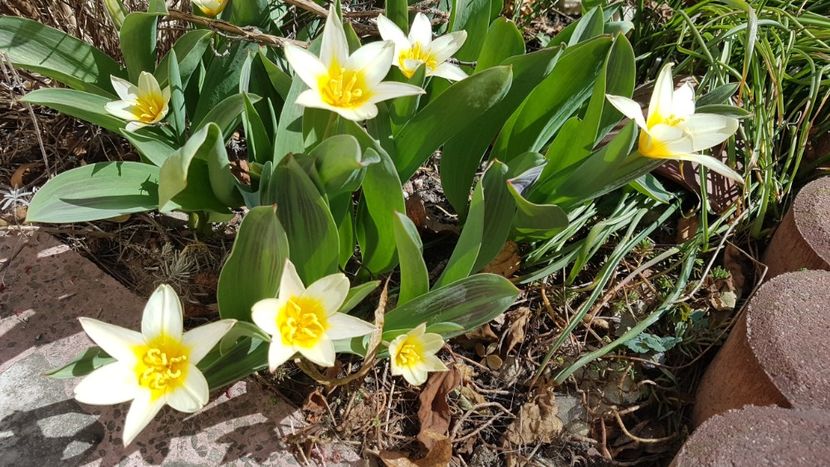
(260, 148)
(468, 303)
(462, 154)
(91, 359)
(116, 11)
(138, 38)
(556, 99)
(308, 221)
(151, 148)
(78, 104)
(357, 294)
(212, 187)
(650, 186)
(451, 112)
(398, 12)
(340, 163)
(241, 330)
(96, 191)
(244, 359)
(499, 211)
(724, 109)
(472, 16)
(414, 273)
(588, 27)
(222, 79)
(504, 40)
(463, 259)
(226, 113)
(280, 80)
(531, 218)
(249, 12)
(254, 267)
(719, 95)
(57, 55)
(189, 51)
(177, 108)
(289, 137)
(382, 198)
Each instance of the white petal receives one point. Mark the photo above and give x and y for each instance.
(432, 342)
(447, 45)
(115, 340)
(707, 130)
(418, 330)
(390, 90)
(135, 126)
(331, 291)
(121, 109)
(367, 111)
(123, 88)
(433, 363)
(308, 67)
(141, 412)
(279, 353)
(683, 101)
(421, 30)
(673, 139)
(322, 354)
(448, 71)
(311, 98)
(629, 108)
(264, 314)
(389, 31)
(334, 47)
(414, 375)
(147, 84)
(204, 338)
(162, 314)
(374, 60)
(192, 395)
(290, 283)
(111, 384)
(663, 94)
(343, 326)
(711, 163)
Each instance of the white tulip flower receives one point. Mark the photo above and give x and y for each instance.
(306, 320)
(142, 105)
(420, 49)
(412, 355)
(349, 85)
(211, 8)
(154, 367)
(673, 130)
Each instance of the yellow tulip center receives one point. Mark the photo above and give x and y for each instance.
(671, 120)
(418, 54)
(302, 322)
(343, 88)
(651, 147)
(409, 353)
(162, 365)
(148, 107)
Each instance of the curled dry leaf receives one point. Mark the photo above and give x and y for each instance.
(439, 455)
(538, 422)
(434, 412)
(507, 262)
(516, 332)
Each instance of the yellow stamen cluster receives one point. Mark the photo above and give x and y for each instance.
(343, 88)
(162, 366)
(302, 322)
(670, 120)
(409, 354)
(148, 107)
(419, 54)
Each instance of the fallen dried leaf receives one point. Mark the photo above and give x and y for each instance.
(506, 262)
(516, 332)
(538, 422)
(22, 174)
(439, 455)
(315, 407)
(434, 412)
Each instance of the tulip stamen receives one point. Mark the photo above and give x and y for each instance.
(343, 88)
(302, 322)
(161, 366)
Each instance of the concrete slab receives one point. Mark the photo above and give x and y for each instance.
(44, 288)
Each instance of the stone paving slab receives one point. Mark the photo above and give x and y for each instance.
(44, 288)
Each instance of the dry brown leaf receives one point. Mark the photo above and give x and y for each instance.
(416, 211)
(538, 422)
(516, 332)
(434, 412)
(315, 407)
(686, 228)
(439, 455)
(506, 262)
(483, 333)
(22, 174)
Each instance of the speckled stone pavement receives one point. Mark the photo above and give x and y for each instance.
(44, 288)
